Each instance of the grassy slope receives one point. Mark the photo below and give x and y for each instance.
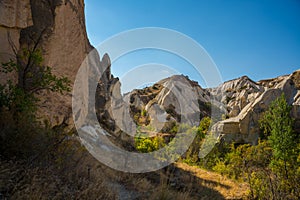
(229, 189)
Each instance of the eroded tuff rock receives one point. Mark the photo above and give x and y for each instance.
(14, 16)
(243, 100)
(237, 93)
(58, 26)
(112, 111)
(65, 46)
(174, 99)
(244, 128)
(180, 97)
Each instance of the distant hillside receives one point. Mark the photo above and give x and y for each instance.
(237, 105)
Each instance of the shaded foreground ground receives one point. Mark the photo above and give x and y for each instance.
(89, 179)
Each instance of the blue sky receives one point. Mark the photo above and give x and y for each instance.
(257, 38)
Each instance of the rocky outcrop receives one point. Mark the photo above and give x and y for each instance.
(243, 100)
(180, 98)
(14, 16)
(174, 99)
(58, 26)
(237, 94)
(244, 128)
(65, 45)
(111, 109)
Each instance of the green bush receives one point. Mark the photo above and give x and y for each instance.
(221, 168)
(146, 144)
(144, 113)
(33, 77)
(272, 167)
(21, 134)
(192, 155)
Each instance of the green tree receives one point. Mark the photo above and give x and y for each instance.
(202, 130)
(21, 134)
(204, 126)
(277, 125)
(33, 77)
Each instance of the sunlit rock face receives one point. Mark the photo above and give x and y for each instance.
(237, 94)
(244, 128)
(59, 28)
(65, 45)
(243, 100)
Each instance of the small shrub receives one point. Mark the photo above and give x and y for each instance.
(144, 113)
(146, 144)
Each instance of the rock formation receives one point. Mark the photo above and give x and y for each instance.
(58, 26)
(244, 128)
(243, 100)
(236, 94)
(112, 111)
(172, 99)
(65, 46)
(14, 16)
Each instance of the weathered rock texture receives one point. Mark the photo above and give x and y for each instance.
(243, 100)
(14, 16)
(243, 126)
(175, 99)
(111, 109)
(65, 45)
(236, 94)
(58, 26)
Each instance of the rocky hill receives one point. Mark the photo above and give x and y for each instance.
(243, 126)
(241, 103)
(58, 29)
(236, 94)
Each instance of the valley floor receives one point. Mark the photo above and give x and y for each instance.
(178, 181)
(228, 188)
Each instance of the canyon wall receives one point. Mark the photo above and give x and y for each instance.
(58, 27)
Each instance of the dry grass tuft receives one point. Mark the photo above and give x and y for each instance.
(228, 188)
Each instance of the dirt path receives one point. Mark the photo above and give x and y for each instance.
(229, 189)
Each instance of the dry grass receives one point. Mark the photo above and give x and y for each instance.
(78, 175)
(18, 180)
(182, 182)
(229, 189)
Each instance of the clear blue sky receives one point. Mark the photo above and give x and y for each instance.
(257, 38)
